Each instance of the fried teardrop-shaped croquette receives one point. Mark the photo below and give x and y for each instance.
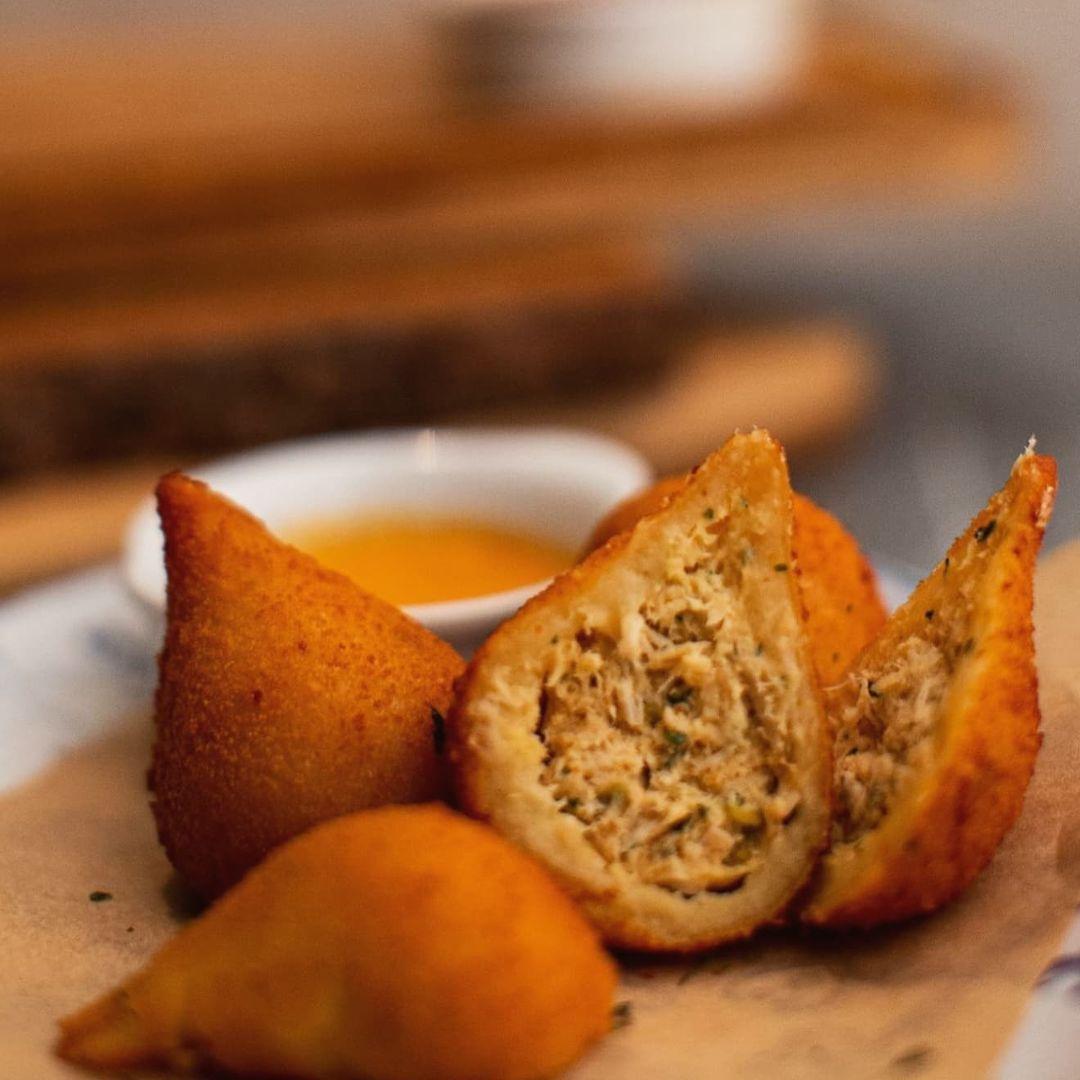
(650, 726)
(843, 612)
(404, 943)
(287, 695)
(937, 724)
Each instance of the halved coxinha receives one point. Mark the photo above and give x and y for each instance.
(936, 726)
(650, 727)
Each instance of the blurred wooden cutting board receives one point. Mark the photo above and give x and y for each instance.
(809, 382)
(181, 194)
(167, 130)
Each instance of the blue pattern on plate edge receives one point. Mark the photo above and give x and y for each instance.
(1065, 969)
(76, 656)
(115, 645)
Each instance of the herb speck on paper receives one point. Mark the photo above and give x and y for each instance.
(695, 968)
(622, 1015)
(912, 1061)
(98, 895)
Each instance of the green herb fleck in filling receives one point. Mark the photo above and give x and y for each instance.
(679, 694)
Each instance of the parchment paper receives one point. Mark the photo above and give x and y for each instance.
(936, 998)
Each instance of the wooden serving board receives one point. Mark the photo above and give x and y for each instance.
(115, 140)
(808, 381)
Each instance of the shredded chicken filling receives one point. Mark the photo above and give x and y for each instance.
(884, 734)
(671, 741)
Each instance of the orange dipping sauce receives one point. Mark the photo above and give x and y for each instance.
(411, 559)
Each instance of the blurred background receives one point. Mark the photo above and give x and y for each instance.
(226, 223)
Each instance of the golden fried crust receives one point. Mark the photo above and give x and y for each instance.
(631, 510)
(946, 828)
(286, 696)
(620, 926)
(844, 611)
(404, 943)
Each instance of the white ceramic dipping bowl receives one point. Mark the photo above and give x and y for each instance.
(552, 483)
(637, 56)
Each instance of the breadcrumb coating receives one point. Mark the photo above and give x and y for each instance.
(403, 943)
(287, 695)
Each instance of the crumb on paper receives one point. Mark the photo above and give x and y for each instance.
(913, 1060)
